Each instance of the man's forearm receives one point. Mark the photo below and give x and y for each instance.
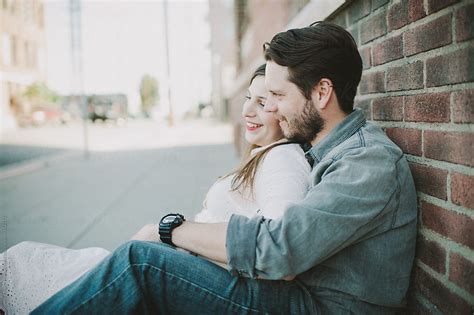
(204, 239)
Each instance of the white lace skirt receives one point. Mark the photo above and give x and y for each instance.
(32, 272)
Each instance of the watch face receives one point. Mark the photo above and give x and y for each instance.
(169, 219)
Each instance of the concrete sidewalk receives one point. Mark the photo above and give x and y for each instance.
(103, 200)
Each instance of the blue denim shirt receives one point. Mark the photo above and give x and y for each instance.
(353, 237)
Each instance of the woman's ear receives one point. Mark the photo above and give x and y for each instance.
(322, 93)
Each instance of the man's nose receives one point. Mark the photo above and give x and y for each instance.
(270, 104)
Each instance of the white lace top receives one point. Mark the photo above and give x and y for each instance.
(31, 272)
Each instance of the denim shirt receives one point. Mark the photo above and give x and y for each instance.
(355, 232)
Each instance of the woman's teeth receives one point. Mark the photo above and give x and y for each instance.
(250, 125)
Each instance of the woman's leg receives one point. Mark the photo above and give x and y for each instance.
(145, 277)
(32, 272)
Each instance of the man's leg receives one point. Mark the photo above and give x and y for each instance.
(145, 277)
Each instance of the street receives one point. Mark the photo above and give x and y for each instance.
(133, 176)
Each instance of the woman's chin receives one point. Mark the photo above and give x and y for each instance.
(250, 139)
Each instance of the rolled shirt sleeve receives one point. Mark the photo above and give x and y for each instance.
(352, 196)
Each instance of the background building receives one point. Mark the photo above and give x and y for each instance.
(22, 56)
(223, 59)
(418, 85)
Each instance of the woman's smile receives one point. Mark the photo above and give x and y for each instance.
(253, 126)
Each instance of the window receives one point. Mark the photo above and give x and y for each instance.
(14, 50)
(6, 46)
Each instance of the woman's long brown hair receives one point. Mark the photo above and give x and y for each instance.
(244, 176)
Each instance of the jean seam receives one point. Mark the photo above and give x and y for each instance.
(169, 274)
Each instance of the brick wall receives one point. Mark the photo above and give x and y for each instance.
(418, 85)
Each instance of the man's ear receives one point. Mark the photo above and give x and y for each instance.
(322, 93)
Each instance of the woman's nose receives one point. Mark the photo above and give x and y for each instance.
(248, 109)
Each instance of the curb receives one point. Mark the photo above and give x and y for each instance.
(27, 166)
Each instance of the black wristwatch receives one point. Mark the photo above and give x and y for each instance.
(167, 224)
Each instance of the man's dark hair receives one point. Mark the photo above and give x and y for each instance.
(321, 50)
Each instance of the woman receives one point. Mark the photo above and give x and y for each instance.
(273, 174)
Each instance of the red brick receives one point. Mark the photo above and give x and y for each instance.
(455, 147)
(388, 50)
(397, 15)
(365, 54)
(461, 272)
(372, 28)
(434, 34)
(416, 10)
(378, 3)
(462, 190)
(431, 254)
(455, 67)
(388, 108)
(464, 25)
(372, 82)
(354, 30)
(430, 107)
(409, 140)
(433, 290)
(406, 77)
(365, 106)
(463, 109)
(339, 19)
(430, 180)
(436, 5)
(455, 226)
(358, 9)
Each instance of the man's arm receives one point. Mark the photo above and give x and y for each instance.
(205, 239)
(353, 198)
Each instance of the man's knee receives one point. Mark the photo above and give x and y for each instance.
(141, 251)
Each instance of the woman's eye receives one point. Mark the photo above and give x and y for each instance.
(247, 97)
(261, 104)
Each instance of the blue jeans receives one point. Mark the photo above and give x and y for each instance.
(146, 277)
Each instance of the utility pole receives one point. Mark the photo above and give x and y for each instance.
(76, 61)
(168, 73)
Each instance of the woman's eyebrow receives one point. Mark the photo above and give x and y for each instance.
(275, 91)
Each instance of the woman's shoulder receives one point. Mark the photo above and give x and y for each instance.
(289, 149)
(289, 154)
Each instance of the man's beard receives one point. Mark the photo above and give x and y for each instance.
(306, 126)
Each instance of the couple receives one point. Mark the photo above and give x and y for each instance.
(341, 242)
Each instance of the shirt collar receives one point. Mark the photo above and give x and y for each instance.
(353, 122)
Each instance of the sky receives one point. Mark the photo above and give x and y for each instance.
(123, 40)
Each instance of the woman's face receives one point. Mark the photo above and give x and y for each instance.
(261, 127)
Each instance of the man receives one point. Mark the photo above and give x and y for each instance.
(347, 247)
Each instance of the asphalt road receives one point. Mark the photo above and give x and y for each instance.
(139, 174)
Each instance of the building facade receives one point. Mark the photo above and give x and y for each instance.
(22, 56)
(418, 85)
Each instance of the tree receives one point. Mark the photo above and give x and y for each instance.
(39, 94)
(148, 93)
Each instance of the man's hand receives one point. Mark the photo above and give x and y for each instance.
(147, 233)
